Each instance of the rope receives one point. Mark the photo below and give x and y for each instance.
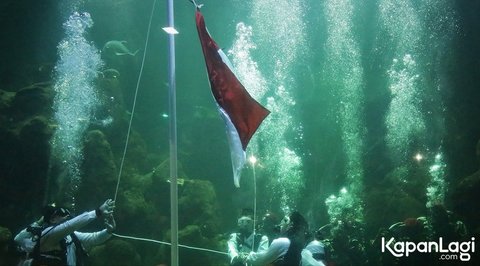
(134, 101)
(254, 205)
(126, 146)
(169, 244)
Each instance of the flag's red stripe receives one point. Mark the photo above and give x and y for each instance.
(244, 111)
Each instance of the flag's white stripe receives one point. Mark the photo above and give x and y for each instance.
(237, 153)
(227, 61)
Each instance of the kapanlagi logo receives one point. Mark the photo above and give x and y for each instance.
(453, 250)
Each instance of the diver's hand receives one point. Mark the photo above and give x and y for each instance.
(239, 259)
(106, 208)
(39, 222)
(110, 224)
(236, 261)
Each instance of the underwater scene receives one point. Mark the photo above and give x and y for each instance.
(327, 132)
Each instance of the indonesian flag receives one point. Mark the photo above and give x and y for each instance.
(241, 113)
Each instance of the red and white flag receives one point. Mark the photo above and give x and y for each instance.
(241, 113)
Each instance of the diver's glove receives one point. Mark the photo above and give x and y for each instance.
(106, 208)
(239, 259)
(39, 222)
(110, 223)
(243, 257)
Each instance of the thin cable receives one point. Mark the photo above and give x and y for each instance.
(134, 101)
(254, 205)
(169, 244)
(126, 146)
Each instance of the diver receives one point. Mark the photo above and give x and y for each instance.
(245, 240)
(53, 239)
(285, 250)
(345, 243)
(314, 253)
(270, 226)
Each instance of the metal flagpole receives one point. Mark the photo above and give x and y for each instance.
(170, 29)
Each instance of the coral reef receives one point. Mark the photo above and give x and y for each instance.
(464, 200)
(99, 170)
(25, 131)
(465, 197)
(400, 195)
(198, 213)
(198, 199)
(143, 202)
(35, 99)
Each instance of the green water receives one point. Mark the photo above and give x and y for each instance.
(373, 106)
